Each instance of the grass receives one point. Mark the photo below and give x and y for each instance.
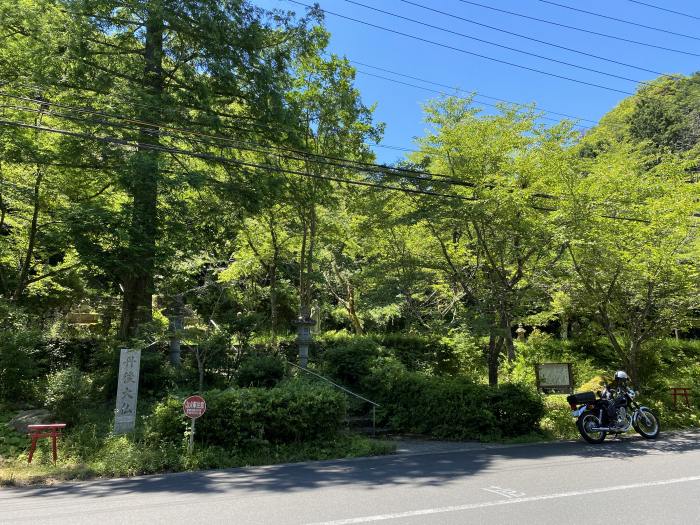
(89, 451)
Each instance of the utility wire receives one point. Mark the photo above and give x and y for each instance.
(502, 46)
(664, 9)
(621, 20)
(276, 169)
(460, 50)
(401, 82)
(225, 160)
(157, 128)
(476, 93)
(520, 35)
(551, 22)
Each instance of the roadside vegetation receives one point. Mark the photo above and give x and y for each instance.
(166, 188)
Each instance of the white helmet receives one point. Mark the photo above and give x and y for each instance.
(621, 375)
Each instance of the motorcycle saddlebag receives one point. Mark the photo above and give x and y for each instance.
(582, 398)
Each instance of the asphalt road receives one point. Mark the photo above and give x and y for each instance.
(632, 481)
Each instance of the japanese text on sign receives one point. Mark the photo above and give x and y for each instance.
(127, 391)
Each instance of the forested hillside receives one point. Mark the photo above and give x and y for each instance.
(191, 178)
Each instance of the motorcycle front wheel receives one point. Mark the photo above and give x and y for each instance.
(585, 423)
(646, 424)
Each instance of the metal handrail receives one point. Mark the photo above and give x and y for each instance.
(358, 396)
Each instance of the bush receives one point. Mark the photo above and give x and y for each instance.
(431, 354)
(352, 360)
(68, 394)
(457, 408)
(260, 370)
(18, 365)
(291, 412)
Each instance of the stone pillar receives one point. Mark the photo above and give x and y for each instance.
(304, 339)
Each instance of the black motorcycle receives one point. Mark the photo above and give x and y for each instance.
(613, 411)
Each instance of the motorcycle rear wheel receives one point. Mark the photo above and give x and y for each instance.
(585, 422)
(647, 424)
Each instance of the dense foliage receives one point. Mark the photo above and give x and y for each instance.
(192, 178)
(285, 414)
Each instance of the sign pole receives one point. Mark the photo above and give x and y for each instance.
(191, 446)
(193, 407)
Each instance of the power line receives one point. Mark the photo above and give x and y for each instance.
(460, 50)
(277, 169)
(621, 20)
(509, 48)
(435, 90)
(248, 146)
(224, 160)
(664, 9)
(476, 93)
(551, 22)
(545, 42)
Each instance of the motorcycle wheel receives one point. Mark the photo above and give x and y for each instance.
(585, 422)
(647, 424)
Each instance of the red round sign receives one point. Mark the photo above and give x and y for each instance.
(194, 406)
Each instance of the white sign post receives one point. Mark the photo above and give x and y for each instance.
(127, 391)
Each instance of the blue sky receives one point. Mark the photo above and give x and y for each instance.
(399, 106)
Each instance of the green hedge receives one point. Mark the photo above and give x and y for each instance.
(457, 408)
(292, 412)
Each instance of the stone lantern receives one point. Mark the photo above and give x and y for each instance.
(520, 332)
(304, 338)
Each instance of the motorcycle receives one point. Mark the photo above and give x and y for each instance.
(613, 411)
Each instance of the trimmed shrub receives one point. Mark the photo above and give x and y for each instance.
(352, 360)
(260, 370)
(457, 408)
(291, 412)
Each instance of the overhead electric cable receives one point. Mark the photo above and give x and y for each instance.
(444, 93)
(476, 93)
(520, 35)
(551, 22)
(276, 169)
(509, 48)
(249, 146)
(460, 50)
(620, 20)
(664, 9)
(224, 160)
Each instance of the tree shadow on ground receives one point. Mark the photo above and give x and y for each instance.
(435, 469)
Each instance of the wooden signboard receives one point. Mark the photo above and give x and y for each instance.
(554, 378)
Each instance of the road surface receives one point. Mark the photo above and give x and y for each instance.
(632, 480)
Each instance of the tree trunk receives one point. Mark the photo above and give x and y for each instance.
(138, 282)
(494, 352)
(352, 313)
(303, 307)
(273, 282)
(507, 335)
(176, 324)
(29, 254)
(633, 362)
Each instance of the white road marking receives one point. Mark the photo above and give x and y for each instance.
(508, 493)
(472, 506)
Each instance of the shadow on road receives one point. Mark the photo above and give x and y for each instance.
(370, 473)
